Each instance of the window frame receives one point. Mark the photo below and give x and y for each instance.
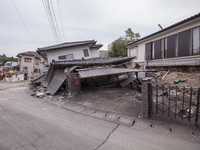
(198, 33)
(66, 57)
(27, 60)
(133, 51)
(86, 53)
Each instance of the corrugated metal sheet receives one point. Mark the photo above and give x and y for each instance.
(105, 71)
(57, 80)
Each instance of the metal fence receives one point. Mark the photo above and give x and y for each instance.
(174, 102)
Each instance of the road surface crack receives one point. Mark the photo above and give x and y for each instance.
(107, 137)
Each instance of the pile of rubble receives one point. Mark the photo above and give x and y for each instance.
(188, 78)
(10, 75)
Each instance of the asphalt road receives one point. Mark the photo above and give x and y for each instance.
(27, 123)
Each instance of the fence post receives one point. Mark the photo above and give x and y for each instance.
(147, 96)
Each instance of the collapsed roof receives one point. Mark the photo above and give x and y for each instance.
(56, 74)
(91, 61)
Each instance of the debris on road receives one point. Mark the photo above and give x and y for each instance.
(10, 75)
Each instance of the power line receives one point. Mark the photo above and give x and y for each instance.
(55, 20)
(49, 9)
(60, 14)
(24, 23)
(54, 35)
(51, 21)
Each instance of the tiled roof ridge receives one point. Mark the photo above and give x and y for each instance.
(67, 44)
(30, 53)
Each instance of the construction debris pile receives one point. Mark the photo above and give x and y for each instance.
(188, 78)
(10, 75)
(73, 75)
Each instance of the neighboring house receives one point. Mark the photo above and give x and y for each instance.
(29, 64)
(110, 46)
(70, 50)
(103, 53)
(176, 45)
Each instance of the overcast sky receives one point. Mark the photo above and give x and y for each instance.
(101, 20)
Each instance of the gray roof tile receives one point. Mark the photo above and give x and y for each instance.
(29, 53)
(92, 61)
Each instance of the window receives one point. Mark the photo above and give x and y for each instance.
(184, 43)
(85, 52)
(68, 57)
(133, 52)
(148, 51)
(28, 60)
(157, 49)
(195, 42)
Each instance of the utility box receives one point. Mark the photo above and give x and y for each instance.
(73, 84)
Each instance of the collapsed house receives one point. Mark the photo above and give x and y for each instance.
(75, 74)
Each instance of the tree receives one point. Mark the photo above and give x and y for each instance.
(4, 59)
(131, 36)
(118, 49)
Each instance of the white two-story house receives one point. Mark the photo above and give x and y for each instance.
(70, 50)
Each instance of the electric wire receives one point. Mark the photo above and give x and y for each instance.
(55, 21)
(49, 14)
(49, 20)
(24, 23)
(61, 21)
(49, 9)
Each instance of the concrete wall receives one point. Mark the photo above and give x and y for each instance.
(76, 51)
(141, 44)
(94, 52)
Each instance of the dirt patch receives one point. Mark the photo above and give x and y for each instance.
(111, 99)
(189, 77)
(192, 78)
(7, 85)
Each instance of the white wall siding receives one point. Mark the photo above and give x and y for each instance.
(94, 53)
(76, 51)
